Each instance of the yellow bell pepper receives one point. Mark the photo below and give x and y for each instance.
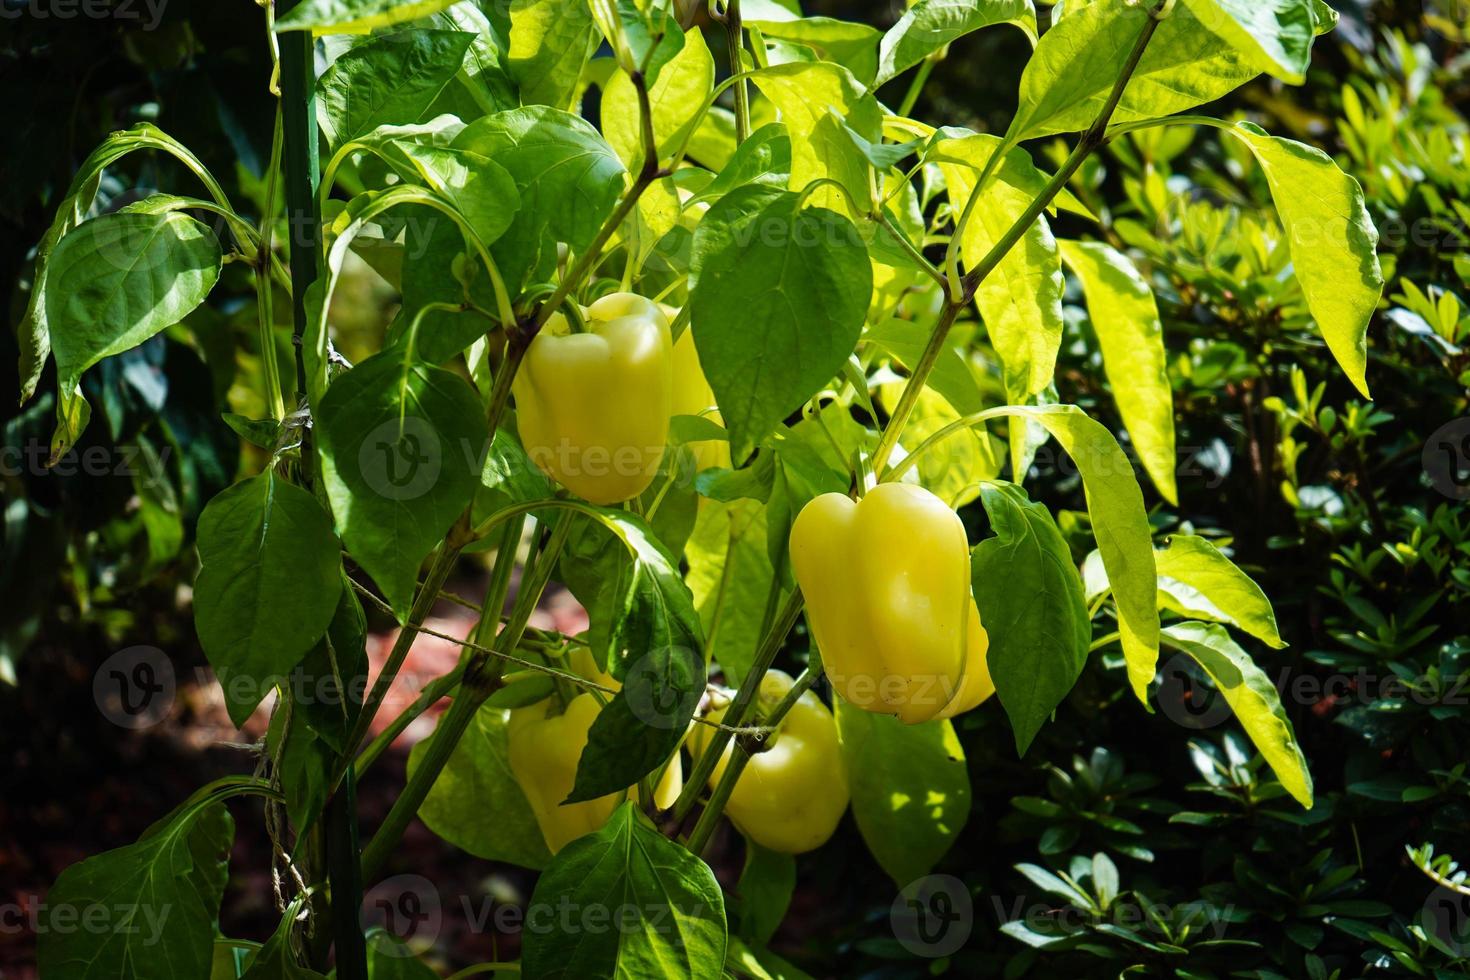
(792, 794)
(593, 408)
(544, 750)
(694, 396)
(887, 587)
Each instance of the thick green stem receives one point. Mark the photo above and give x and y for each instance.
(299, 143)
(739, 708)
(482, 677)
(735, 44)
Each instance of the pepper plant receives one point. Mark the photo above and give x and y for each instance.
(742, 344)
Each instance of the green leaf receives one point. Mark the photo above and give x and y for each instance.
(730, 576)
(844, 42)
(1126, 320)
(481, 190)
(1273, 35)
(778, 303)
(649, 30)
(112, 283)
(655, 647)
(667, 906)
(550, 42)
(1032, 606)
(161, 896)
(764, 892)
(268, 585)
(475, 784)
(930, 25)
(910, 788)
(336, 670)
(1201, 583)
(303, 761)
(508, 476)
(401, 446)
(438, 267)
(951, 377)
(1334, 245)
(816, 100)
(569, 181)
(1077, 62)
(390, 958)
(1252, 697)
(764, 158)
(674, 100)
(1120, 524)
(355, 16)
(1021, 300)
(276, 960)
(389, 79)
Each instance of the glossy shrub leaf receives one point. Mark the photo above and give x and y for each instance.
(1032, 606)
(1077, 62)
(401, 445)
(268, 585)
(655, 647)
(764, 158)
(168, 885)
(481, 190)
(1021, 300)
(355, 16)
(1334, 244)
(115, 281)
(1126, 321)
(819, 102)
(439, 267)
(568, 177)
(550, 42)
(848, 43)
(778, 305)
(1273, 35)
(929, 25)
(1252, 696)
(1199, 582)
(1120, 525)
(475, 784)
(389, 79)
(674, 99)
(910, 788)
(669, 911)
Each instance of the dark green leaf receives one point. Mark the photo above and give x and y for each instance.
(401, 446)
(268, 585)
(389, 79)
(355, 16)
(778, 305)
(1032, 606)
(764, 892)
(667, 906)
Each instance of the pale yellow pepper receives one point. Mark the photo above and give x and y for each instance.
(694, 396)
(792, 794)
(887, 586)
(593, 408)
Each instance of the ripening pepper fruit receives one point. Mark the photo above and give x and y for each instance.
(887, 587)
(593, 408)
(793, 793)
(544, 750)
(694, 396)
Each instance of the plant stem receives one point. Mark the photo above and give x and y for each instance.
(482, 676)
(917, 85)
(735, 44)
(303, 220)
(740, 707)
(1089, 142)
(745, 747)
(434, 690)
(263, 285)
(344, 872)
